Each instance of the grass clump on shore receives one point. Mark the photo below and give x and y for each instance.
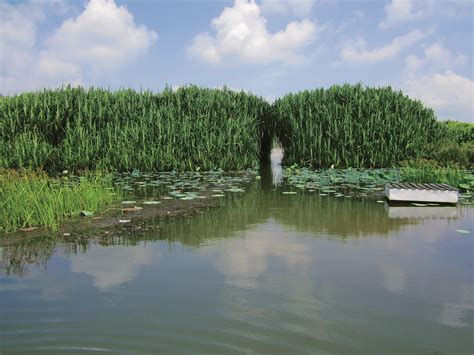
(428, 171)
(184, 129)
(352, 126)
(33, 199)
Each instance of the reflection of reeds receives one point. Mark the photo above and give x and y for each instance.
(352, 126)
(35, 199)
(17, 257)
(337, 217)
(74, 128)
(333, 217)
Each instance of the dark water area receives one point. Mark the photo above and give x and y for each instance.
(267, 273)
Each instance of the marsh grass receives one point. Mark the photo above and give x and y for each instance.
(184, 129)
(426, 171)
(352, 126)
(33, 199)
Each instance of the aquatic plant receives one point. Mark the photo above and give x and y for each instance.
(33, 199)
(427, 171)
(352, 126)
(186, 129)
(459, 132)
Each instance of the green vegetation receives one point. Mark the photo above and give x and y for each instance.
(455, 147)
(352, 126)
(459, 132)
(429, 171)
(187, 129)
(31, 199)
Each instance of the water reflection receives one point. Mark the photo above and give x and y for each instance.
(321, 216)
(276, 158)
(413, 212)
(268, 273)
(101, 264)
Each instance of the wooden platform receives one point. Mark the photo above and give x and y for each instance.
(409, 192)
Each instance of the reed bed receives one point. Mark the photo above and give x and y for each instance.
(352, 126)
(77, 129)
(33, 199)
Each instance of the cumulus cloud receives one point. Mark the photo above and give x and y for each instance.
(101, 39)
(431, 77)
(436, 58)
(241, 33)
(299, 8)
(450, 94)
(401, 11)
(358, 53)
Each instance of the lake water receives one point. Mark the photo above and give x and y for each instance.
(269, 273)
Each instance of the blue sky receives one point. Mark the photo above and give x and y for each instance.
(269, 47)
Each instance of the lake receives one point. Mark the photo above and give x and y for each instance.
(266, 273)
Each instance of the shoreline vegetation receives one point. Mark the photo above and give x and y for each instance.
(95, 133)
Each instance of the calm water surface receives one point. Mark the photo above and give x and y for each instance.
(270, 273)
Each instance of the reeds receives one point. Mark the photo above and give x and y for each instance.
(352, 126)
(76, 129)
(33, 199)
(198, 128)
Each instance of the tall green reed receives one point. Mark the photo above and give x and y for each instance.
(74, 128)
(30, 198)
(352, 126)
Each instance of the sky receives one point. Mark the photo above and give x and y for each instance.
(268, 47)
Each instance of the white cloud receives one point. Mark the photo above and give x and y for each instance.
(401, 11)
(101, 39)
(436, 58)
(432, 79)
(113, 266)
(357, 52)
(299, 8)
(450, 94)
(241, 33)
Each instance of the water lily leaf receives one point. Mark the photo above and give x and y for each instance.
(128, 202)
(87, 213)
(166, 198)
(380, 201)
(419, 204)
(125, 220)
(289, 192)
(218, 195)
(187, 198)
(151, 202)
(463, 231)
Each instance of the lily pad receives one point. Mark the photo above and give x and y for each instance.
(125, 220)
(128, 202)
(419, 204)
(463, 231)
(289, 192)
(87, 213)
(218, 195)
(151, 202)
(187, 198)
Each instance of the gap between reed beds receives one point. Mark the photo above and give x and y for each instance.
(30, 198)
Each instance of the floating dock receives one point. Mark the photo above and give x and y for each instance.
(435, 193)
